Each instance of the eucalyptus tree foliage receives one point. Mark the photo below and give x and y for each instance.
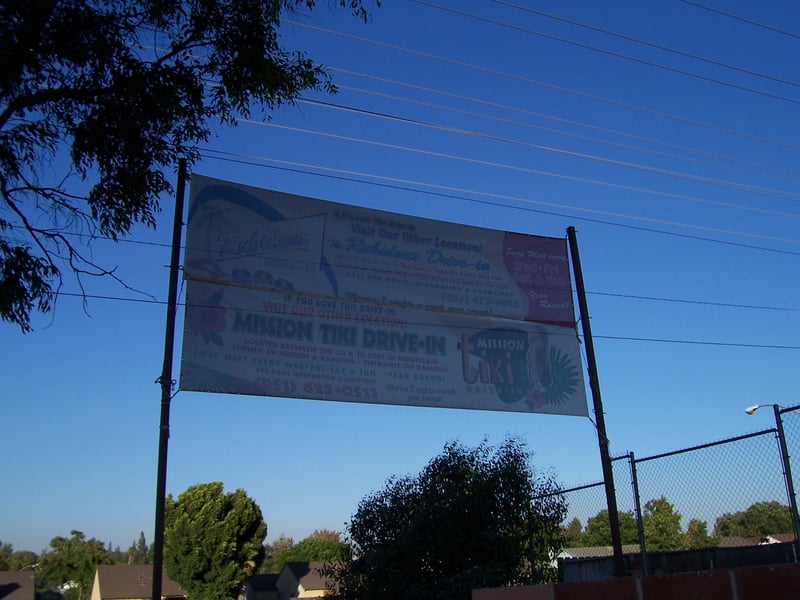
(213, 540)
(70, 564)
(99, 99)
(472, 518)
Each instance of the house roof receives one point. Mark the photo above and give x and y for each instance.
(119, 582)
(308, 574)
(734, 541)
(262, 582)
(16, 585)
(597, 551)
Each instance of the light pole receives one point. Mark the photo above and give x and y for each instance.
(787, 469)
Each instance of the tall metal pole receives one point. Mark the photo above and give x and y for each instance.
(594, 384)
(166, 383)
(787, 475)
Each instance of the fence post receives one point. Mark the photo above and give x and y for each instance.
(638, 505)
(787, 475)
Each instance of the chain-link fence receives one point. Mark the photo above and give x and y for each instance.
(733, 492)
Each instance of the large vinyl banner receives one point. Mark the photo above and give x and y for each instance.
(297, 297)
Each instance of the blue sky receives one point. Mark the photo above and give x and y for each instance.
(682, 190)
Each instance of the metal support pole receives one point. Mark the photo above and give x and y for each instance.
(787, 475)
(166, 383)
(594, 384)
(639, 519)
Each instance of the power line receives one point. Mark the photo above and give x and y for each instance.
(695, 342)
(618, 54)
(618, 163)
(544, 84)
(702, 124)
(699, 302)
(544, 173)
(640, 41)
(742, 19)
(604, 337)
(760, 166)
(153, 300)
(488, 198)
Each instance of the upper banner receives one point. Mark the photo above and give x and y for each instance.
(295, 281)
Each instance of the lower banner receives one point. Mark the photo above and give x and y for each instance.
(274, 343)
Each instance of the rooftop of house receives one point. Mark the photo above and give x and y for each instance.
(133, 581)
(308, 574)
(16, 585)
(597, 551)
(264, 581)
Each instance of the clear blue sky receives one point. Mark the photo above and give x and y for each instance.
(683, 191)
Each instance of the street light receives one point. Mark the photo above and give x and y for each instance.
(787, 469)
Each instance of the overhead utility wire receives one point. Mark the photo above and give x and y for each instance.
(606, 337)
(531, 171)
(615, 54)
(151, 297)
(539, 203)
(695, 342)
(742, 19)
(698, 302)
(576, 123)
(618, 163)
(640, 41)
(758, 169)
(544, 84)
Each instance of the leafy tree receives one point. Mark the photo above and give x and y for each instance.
(212, 540)
(572, 532)
(474, 517)
(319, 548)
(697, 535)
(98, 98)
(116, 555)
(5, 555)
(15, 560)
(72, 560)
(662, 525)
(324, 545)
(760, 519)
(326, 534)
(277, 554)
(22, 559)
(138, 552)
(598, 529)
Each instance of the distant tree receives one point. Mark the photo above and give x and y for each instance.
(22, 559)
(598, 529)
(99, 98)
(277, 554)
(116, 556)
(138, 552)
(319, 548)
(697, 536)
(760, 519)
(322, 545)
(327, 534)
(5, 555)
(572, 532)
(474, 517)
(72, 561)
(212, 540)
(662, 525)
